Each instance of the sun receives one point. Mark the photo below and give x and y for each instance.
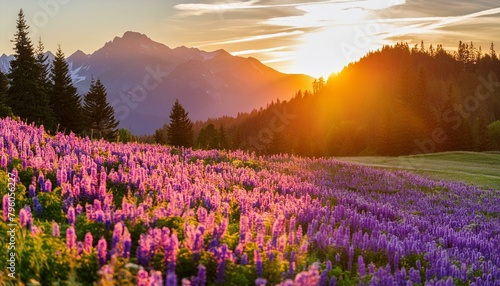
(338, 38)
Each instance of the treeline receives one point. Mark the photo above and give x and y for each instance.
(43, 93)
(394, 101)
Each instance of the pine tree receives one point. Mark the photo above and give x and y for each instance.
(4, 86)
(222, 136)
(64, 99)
(180, 131)
(98, 115)
(159, 138)
(26, 96)
(44, 66)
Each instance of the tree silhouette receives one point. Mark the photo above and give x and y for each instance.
(98, 115)
(4, 85)
(26, 96)
(180, 130)
(64, 100)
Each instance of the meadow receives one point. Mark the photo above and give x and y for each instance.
(92, 212)
(481, 169)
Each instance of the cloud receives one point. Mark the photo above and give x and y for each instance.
(255, 38)
(197, 9)
(254, 51)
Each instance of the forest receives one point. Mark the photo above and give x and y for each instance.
(394, 101)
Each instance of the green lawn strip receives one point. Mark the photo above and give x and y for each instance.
(480, 169)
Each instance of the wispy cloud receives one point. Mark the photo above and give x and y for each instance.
(254, 51)
(197, 9)
(254, 38)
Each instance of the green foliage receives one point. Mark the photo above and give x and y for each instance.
(180, 129)
(240, 275)
(125, 136)
(52, 206)
(86, 271)
(494, 132)
(187, 266)
(82, 226)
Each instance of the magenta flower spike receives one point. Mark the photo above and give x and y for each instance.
(102, 251)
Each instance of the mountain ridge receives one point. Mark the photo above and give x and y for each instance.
(143, 78)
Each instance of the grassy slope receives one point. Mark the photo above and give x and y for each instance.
(480, 169)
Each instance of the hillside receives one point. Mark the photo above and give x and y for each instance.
(93, 211)
(394, 101)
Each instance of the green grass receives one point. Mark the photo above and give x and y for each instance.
(479, 169)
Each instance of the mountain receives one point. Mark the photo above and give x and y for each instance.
(143, 78)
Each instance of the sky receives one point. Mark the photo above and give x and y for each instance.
(311, 37)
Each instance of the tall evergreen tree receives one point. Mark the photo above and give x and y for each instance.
(25, 95)
(44, 67)
(64, 99)
(98, 115)
(223, 142)
(180, 130)
(4, 86)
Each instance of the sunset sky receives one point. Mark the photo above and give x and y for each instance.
(311, 37)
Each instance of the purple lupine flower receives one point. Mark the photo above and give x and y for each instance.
(32, 190)
(142, 278)
(323, 281)
(171, 279)
(144, 250)
(78, 209)
(102, 250)
(201, 277)
(55, 229)
(333, 281)
(71, 215)
(37, 205)
(361, 267)
(23, 218)
(244, 259)
(260, 282)
(127, 243)
(259, 267)
(70, 237)
(79, 248)
(41, 180)
(88, 241)
(5, 207)
(48, 186)
(117, 235)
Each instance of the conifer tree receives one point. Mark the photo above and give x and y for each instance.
(64, 99)
(223, 142)
(26, 96)
(180, 130)
(4, 85)
(98, 115)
